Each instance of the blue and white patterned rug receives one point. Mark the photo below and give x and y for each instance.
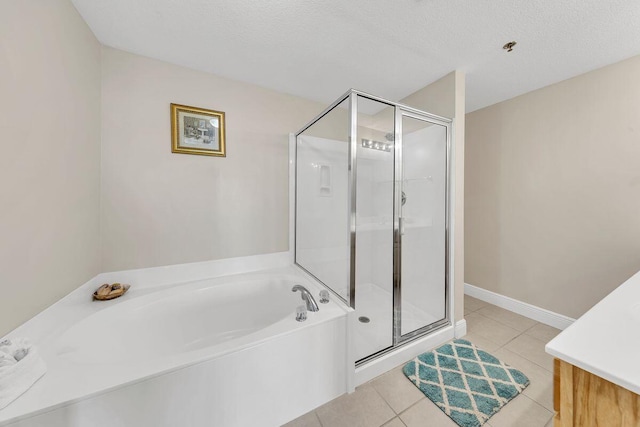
(468, 384)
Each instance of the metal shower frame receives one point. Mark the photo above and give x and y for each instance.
(400, 110)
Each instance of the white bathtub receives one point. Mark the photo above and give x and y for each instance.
(189, 318)
(224, 351)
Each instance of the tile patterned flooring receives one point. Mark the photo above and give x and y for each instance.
(390, 400)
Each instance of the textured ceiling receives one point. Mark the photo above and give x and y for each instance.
(391, 48)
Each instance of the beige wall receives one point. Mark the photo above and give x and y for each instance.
(446, 97)
(553, 191)
(161, 208)
(49, 167)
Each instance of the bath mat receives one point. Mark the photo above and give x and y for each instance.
(466, 383)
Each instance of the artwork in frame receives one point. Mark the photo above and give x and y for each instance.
(197, 131)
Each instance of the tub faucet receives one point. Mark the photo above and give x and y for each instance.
(307, 297)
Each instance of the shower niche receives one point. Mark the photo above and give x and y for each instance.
(371, 216)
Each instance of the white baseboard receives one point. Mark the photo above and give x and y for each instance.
(541, 315)
(461, 328)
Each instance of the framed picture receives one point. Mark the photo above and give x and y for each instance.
(197, 131)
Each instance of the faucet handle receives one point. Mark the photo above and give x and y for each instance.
(301, 313)
(324, 296)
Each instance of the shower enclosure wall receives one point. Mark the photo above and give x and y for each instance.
(371, 216)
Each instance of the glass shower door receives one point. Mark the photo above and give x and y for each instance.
(421, 225)
(374, 227)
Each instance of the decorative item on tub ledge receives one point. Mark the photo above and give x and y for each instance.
(107, 291)
(197, 131)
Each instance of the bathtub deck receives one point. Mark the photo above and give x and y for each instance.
(69, 382)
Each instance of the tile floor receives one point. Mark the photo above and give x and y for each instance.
(390, 400)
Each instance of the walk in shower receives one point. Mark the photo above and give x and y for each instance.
(371, 216)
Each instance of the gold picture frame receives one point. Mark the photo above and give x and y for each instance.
(197, 131)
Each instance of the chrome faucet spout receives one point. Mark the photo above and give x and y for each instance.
(306, 297)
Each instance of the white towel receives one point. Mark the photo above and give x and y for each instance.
(20, 367)
(7, 360)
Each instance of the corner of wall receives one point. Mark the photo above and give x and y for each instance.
(459, 131)
(50, 233)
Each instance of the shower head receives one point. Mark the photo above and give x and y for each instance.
(389, 137)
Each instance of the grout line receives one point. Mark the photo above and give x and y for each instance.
(400, 421)
(511, 340)
(534, 325)
(318, 418)
(477, 309)
(537, 364)
(502, 323)
(388, 404)
(474, 310)
(505, 324)
(542, 406)
(413, 404)
(523, 370)
(386, 373)
(525, 357)
(537, 339)
(388, 421)
(383, 399)
(499, 346)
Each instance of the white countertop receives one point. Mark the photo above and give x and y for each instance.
(606, 340)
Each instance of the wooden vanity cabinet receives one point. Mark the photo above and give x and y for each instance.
(582, 399)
